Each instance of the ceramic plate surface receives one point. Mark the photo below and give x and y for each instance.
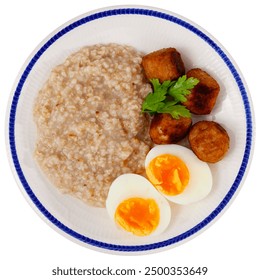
(147, 29)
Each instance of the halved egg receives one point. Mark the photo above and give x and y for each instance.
(136, 206)
(178, 174)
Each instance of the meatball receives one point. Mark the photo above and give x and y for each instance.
(203, 96)
(165, 129)
(164, 64)
(209, 141)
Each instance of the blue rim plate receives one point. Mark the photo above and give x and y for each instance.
(158, 17)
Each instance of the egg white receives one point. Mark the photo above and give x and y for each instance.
(132, 185)
(200, 183)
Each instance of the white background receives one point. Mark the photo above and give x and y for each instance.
(30, 248)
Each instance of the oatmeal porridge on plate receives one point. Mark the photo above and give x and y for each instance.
(89, 125)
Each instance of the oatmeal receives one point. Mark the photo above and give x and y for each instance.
(90, 129)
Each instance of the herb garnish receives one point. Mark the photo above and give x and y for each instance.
(168, 96)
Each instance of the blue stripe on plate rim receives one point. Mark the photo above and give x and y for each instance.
(211, 43)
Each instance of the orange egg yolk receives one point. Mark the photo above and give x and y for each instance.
(138, 215)
(168, 173)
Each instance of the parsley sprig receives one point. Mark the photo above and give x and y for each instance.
(168, 96)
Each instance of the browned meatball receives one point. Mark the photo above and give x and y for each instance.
(203, 96)
(165, 129)
(209, 141)
(164, 64)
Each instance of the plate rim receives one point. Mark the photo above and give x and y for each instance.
(115, 11)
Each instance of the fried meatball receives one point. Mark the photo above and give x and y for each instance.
(209, 141)
(164, 64)
(165, 129)
(203, 96)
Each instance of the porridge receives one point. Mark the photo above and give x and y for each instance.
(89, 125)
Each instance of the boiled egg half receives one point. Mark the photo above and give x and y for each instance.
(136, 206)
(178, 174)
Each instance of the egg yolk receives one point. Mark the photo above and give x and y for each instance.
(138, 215)
(168, 173)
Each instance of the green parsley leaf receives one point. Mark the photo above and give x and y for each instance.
(153, 101)
(182, 87)
(158, 87)
(167, 96)
(176, 111)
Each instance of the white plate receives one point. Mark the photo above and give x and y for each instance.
(146, 29)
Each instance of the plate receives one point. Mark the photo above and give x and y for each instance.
(147, 29)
